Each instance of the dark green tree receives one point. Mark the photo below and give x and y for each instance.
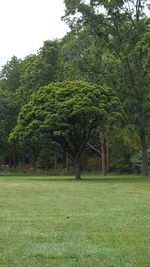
(38, 70)
(67, 113)
(19, 78)
(10, 75)
(6, 124)
(9, 82)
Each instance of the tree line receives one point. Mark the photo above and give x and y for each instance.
(84, 96)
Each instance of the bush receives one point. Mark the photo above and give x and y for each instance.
(45, 159)
(136, 162)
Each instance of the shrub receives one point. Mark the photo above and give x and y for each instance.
(136, 162)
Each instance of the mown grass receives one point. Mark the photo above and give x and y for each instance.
(57, 221)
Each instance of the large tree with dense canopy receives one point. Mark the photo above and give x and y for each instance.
(67, 113)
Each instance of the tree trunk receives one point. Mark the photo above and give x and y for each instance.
(107, 152)
(13, 156)
(67, 162)
(144, 155)
(55, 160)
(32, 157)
(77, 170)
(142, 134)
(103, 153)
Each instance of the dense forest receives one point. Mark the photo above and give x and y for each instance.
(84, 100)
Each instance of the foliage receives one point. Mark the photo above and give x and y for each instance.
(124, 30)
(67, 113)
(6, 123)
(136, 162)
(123, 144)
(10, 75)
(45, 159)
(80, 57)
(38, 70)
(19, 78)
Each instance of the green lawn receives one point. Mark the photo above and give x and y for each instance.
(57, 221)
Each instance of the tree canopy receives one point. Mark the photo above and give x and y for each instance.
(67, 113)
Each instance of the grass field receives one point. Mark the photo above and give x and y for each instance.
(57, 221)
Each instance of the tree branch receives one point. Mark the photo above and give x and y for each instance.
(94, 148)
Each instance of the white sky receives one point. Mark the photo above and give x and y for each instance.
(26, 24)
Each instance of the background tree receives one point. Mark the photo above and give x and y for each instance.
(123, 145)
(38, 70)
(10, 75)
(80, 57)
(6, 124)
(9, 82)
(19, 78)
(122, 26)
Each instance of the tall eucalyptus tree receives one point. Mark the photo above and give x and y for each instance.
(124, 29)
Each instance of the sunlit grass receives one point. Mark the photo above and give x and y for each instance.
(57, 221)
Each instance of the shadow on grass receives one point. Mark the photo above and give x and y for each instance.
(85, 178)
(119, 179)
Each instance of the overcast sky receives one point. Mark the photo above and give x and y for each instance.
(26, 24)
